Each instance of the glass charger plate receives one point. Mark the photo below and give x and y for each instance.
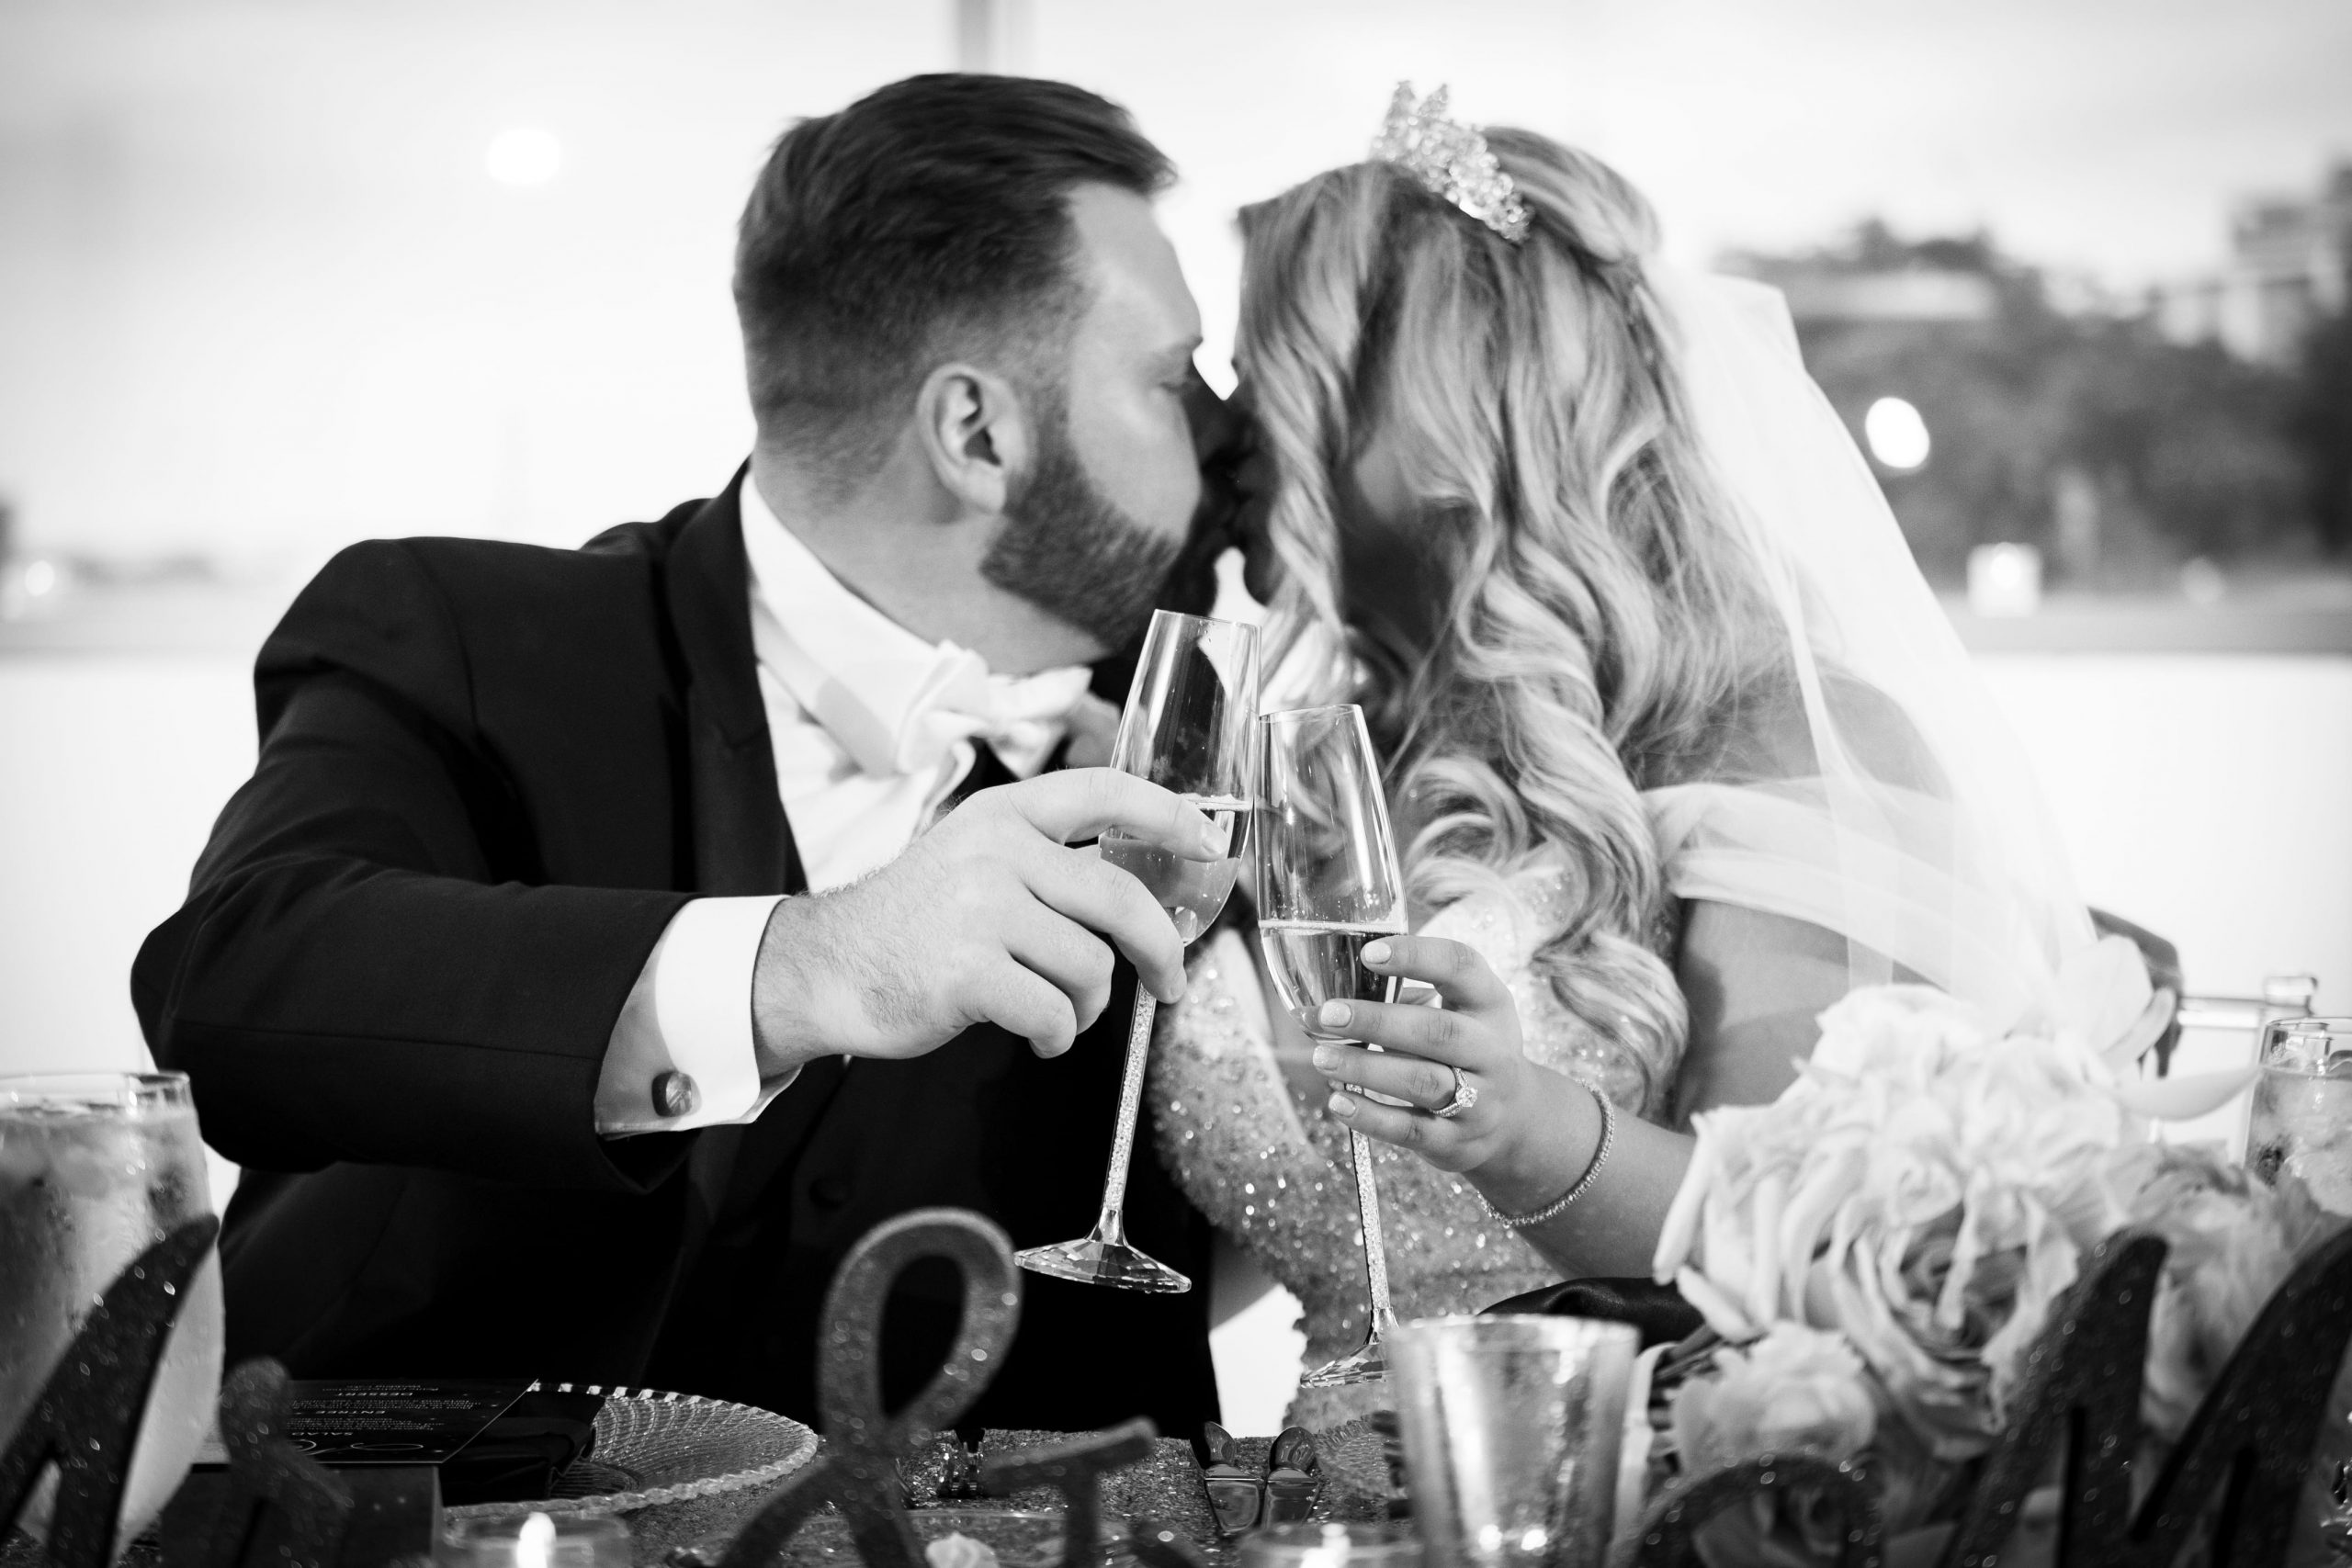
(653, 1448)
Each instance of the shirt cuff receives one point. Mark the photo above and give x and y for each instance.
(690, 1012)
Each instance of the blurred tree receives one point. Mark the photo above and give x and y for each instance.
(2322, 429)
(2119, 453)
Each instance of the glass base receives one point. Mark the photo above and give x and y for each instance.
(1367, 1365)
(1094, 1261)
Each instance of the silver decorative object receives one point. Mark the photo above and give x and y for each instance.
(1451, 160)
(1512, 1427)
(859, 1474)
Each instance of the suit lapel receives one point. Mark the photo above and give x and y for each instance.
(741, 842)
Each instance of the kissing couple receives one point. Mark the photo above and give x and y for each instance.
(608, 937)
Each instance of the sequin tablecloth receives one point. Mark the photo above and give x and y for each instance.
(1166, 1488)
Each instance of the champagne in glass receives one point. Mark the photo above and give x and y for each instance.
(1188, 727)
(1313, 962)
(1328, 885)
(1191, 891)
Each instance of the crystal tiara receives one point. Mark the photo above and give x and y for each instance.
(1450, 160)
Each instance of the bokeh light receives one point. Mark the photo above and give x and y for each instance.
(1897, 435)
(2004, 580)
(2202, 580)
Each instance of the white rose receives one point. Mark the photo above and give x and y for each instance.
(1795, 1391)
(958, 1551)
(2231, 1241)
(1879, 1026)
(1923, 1188)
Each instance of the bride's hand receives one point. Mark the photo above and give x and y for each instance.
(1426, 1053)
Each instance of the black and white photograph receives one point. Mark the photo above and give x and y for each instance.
(1320, 784)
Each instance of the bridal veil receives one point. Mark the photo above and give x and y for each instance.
(1919, 834)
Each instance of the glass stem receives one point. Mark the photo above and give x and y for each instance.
(1375, 1252)
(1110, 1225)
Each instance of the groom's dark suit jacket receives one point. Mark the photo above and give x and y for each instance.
(489, 775)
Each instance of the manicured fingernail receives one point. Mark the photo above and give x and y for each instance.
(1332, 1015)
(1326, 1059)
(1375, 953)
(1342, 1105)
(1212, 837)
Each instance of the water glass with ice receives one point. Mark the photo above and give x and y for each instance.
(2301, 1118)
(95, 1169)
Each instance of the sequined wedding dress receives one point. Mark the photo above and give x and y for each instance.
(1271, 1170)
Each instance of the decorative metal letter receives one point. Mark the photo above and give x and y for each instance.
(87, 1417)
(2082, 1388)
(2251, 1440)
(859, 1472)
(2241, 1460)
(277, 1507)
(1075, 1469)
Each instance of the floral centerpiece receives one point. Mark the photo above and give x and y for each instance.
(1876, 1252)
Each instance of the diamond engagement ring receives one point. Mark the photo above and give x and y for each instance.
(1465, 1095)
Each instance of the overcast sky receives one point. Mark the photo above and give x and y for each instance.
(2109, 136)
(256, 285)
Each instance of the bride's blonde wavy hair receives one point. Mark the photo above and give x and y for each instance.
(1600, 617)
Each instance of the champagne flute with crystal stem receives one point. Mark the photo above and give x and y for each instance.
(1328, 885)
(1189, 726)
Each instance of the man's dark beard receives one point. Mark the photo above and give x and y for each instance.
(1069, 550)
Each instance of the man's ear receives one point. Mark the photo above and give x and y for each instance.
(977, 434)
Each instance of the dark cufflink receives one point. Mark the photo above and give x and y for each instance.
(676, 1094)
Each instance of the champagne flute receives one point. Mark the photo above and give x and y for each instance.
(1188, 728)
(1328, 885)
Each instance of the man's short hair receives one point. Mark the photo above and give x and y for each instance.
(927, 220)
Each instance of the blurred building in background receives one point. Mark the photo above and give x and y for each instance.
(2290, 268)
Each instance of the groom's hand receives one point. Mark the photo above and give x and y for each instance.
(987, 918)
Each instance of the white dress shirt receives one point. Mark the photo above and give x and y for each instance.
(872, 728)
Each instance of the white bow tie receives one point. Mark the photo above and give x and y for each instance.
(954, 701)
(1022, 718)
